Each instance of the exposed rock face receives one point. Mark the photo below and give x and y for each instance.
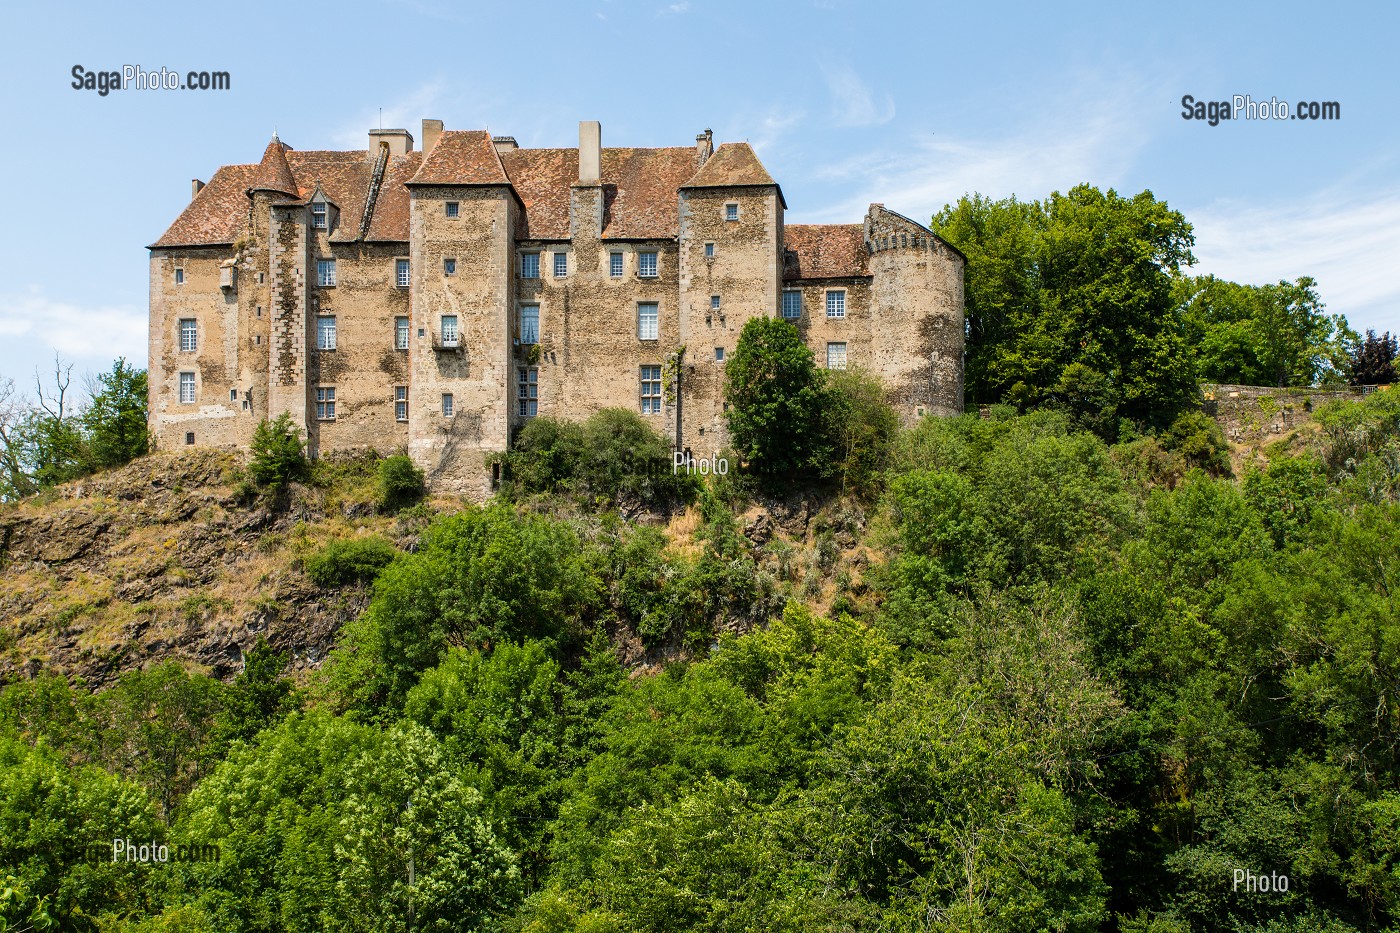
(159, 560)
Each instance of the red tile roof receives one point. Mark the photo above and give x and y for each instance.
(274, 174)
(390, 220)
(825, 251)
(731, 164)
(462, 157)
(542, 178)
(217, 214)
(344, 179)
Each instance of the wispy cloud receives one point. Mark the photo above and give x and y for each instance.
(1343, 238)
(853, 101)
(406, 111)
(33, 325)
(674, 9)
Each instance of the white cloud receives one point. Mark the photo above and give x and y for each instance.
(853, 101)
(1345, 240)
(33, 326)
(675, 8)
(407, 112)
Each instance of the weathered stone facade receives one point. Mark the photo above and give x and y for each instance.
(436, 300)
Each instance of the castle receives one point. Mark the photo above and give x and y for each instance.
(435, 300)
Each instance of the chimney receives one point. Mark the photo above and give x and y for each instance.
(590, 152)
(400, 142)
(504, 143)
(432, 129)
(195, 187)
(704, 147)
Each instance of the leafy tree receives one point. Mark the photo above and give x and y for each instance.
(278, 453)
(350, 560)
(776, 399)
(1372, 360)
(1263, 334)
(259, 696)
(400, 482)
(115, 419)
(862, 426)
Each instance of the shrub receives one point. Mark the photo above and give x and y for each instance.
(400, 482)
(278, 453)
(776, 399)
(357, 560)
(862, 427)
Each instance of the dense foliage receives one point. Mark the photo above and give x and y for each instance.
(278, 454)
(1372, 360)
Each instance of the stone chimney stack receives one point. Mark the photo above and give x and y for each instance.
(504, 143)
(400, 142)
(704, 147)
(432, 129)
(195, 187)
(590, 152)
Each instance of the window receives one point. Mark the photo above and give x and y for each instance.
(318, 215)
(709, 251)
(449, 267)
(179, 276)
(836, 303)
(400, 403)
(529, 265)
(651, 390)
(188, 335)
(731, 211)
(648, 317)
(719, 354)
(325, 332)
(615, 265)
(452, 208)
(646, 265)
(233, 395)
(529, 323)
(401, 333)
(325, 272)
(836, 356)
(792, 305)
(449, 330)
(447, 404)
(189, 438)
(325, 403)
(561, 265)
(401, 273)
(528, 391)
(187, 388)
(714, 302)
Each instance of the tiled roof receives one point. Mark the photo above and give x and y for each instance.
(274, 174)
(216, 215)
(390, 221)
(462, 157)
(731, 164)
(344, 179)
(825, 251)
(542, 178)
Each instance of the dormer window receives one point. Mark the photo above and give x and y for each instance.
(318, 215)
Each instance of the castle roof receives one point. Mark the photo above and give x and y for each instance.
(462, 157)
(825, 251)
(274, 174)
(731, 165)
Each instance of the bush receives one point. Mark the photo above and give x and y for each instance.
(279, 455)
(357, 560)
(776, 399)
(400, 482)
(862, 427)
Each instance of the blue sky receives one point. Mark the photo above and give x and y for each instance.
(908, 104)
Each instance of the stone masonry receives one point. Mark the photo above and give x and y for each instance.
(433, 301)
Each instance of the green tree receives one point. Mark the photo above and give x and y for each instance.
(862, 426)
(776, 399)
(400, 482)
(115, 419)
(278, 453)
(1372, 359)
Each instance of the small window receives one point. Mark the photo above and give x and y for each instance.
(189, 438)
(529, 324)
(561, 265)
(615, 265)
(709, 251)
(401, 333)
(714, 302)
(259, 310)
(792, 305)
(452, 208)
(325, 272)
(836, 303)
(325, 332)
(318, 215)
(447, 405)
(189, 335)
(187, 388)
(179, 276)
(401, 273)
(719, 354)
(646, 265)
(529, 265)
(528, 391)
(449, 267)
(233, 395)
(449, 330)
(261, 277)
(836, 356)
(648, 320)
(731, 211)
(325, 403)
(400, 403)
(651, 390)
